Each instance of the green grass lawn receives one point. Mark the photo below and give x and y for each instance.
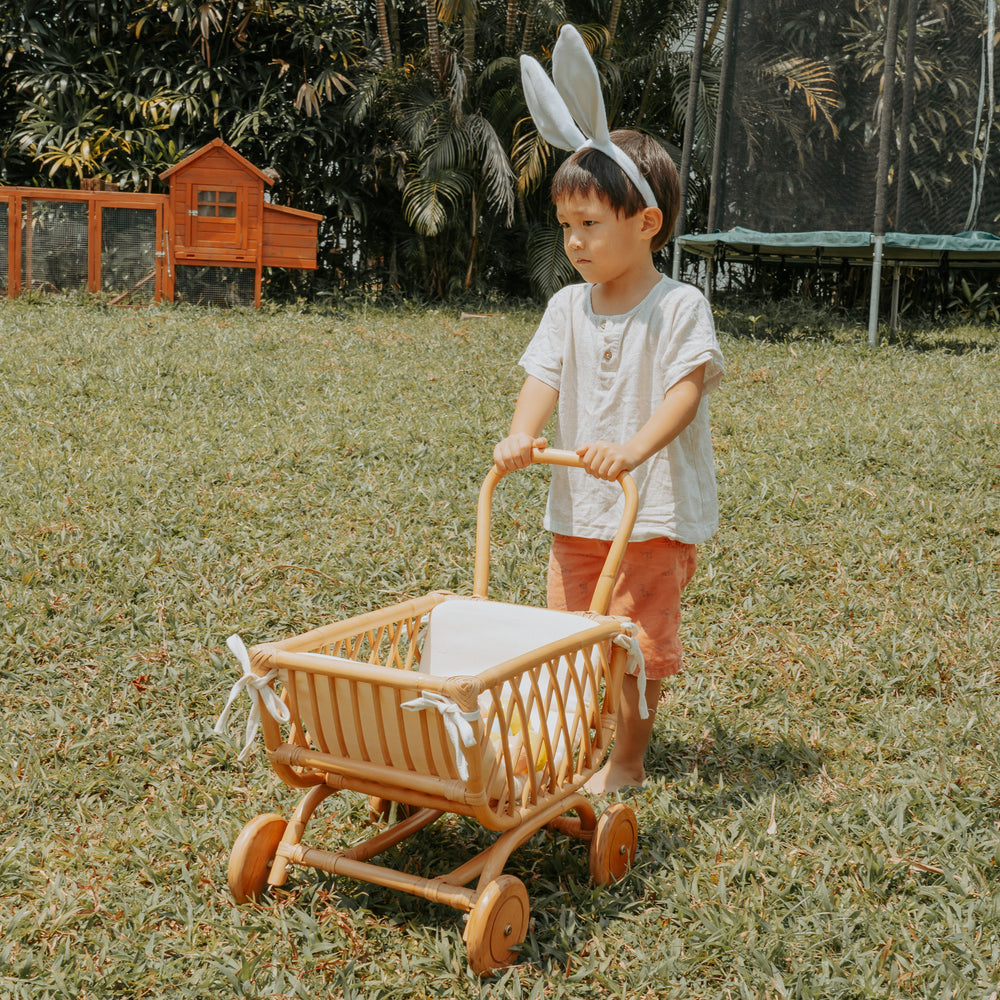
(822, 817)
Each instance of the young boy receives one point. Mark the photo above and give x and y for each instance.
(630, 357)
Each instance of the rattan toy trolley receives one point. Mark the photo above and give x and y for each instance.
(447, 704)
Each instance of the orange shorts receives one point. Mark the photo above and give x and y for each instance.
(647, 591)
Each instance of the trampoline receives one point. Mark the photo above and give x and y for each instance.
(971, 249)
(861, 133)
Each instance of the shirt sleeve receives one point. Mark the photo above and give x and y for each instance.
(688, 340)
(543, 357)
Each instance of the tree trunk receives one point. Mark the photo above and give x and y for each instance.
(396, 41)
(720, 13)
(469, 37)
(434, 39)
(383, 32)
(902, 177)
(716, 198)
(616, 9)
(529, 26)
(474, 244)
(511, 32)
(690, 119)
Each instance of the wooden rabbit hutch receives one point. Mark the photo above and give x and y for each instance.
(206, 241)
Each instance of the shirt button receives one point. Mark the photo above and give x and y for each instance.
(608, 355)
(604, 324)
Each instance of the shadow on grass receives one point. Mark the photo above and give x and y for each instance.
(741, 762)
(718, 775)
(715, 775)
(985, 341)
(567, 911)
(792, 320)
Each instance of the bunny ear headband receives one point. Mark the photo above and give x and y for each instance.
(573, 103)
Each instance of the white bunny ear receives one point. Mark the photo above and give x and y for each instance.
(576, 79)
(575, 100)
(548, 110)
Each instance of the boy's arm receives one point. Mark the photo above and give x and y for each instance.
(607, 460)
(535, 405)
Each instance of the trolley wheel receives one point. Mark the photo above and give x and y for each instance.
(381, 809)
(612, 850)
(497, 924)
(253, 852)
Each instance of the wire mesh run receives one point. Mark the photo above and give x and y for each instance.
(128, 253)
(215, 286)
(55, 245)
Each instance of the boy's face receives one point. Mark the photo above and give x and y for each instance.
(601, 245)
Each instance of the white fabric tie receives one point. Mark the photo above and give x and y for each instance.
(568, 110)
(457, 724)
(636, 663)
(277, 709)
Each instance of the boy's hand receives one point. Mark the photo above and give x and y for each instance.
(514, 452)
(607, 460)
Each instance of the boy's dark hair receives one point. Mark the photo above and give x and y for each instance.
(591, 171)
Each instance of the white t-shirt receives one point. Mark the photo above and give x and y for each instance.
(611, 373)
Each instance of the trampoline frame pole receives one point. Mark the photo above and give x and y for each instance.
(882, 177)
(878, 242)
(902, 172)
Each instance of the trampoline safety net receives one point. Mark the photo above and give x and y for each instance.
(803, 114)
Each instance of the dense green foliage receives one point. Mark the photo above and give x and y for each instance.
(403, 121)
(821, 814)
(400, 120)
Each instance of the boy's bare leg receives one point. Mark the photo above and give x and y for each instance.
(626, 762)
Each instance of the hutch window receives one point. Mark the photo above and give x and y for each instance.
(217, 204)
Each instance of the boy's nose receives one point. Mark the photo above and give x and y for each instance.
(574, 240)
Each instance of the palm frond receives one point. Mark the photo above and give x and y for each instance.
(471, 147)
(595, 36)
(497, 172)
(814, 79)
(548, 266)
(420, 116)
(498, 72)
(451, 10)
(530, 156)
(446, 147)
(427, 199)
(361, 103)
(457, 87)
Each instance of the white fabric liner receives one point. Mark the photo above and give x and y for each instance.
(465, 637)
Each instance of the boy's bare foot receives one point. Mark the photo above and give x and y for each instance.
(624, 767)
(613, 778)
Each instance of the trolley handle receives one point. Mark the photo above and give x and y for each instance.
(554, 456)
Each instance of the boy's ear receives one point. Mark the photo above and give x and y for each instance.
(652, 219)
